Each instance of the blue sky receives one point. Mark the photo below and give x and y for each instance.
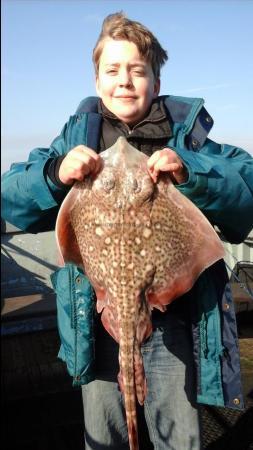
(46, 63)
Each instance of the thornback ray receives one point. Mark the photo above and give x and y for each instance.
(142, 245)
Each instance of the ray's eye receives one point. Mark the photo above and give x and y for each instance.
(147, 187)
(108, 183)
(142, 186)
(104, 183)
(136, 186)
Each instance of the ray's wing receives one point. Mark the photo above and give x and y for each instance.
(65, 235)
(184, 244)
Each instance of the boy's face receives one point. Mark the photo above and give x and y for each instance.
(125, 81)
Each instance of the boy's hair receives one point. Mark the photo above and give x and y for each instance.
(117, 26)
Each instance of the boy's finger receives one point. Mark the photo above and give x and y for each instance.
(82, 148)
(168, 167)
(153, 159)
(153, 174)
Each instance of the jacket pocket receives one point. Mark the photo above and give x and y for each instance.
(75, 318)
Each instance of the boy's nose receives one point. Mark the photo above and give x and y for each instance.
(125, 79)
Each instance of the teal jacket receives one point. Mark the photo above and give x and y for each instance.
(220, 183)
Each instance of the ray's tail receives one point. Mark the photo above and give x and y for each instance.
(132, 380)
(128, 384)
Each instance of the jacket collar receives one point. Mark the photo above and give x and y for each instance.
(154, 125)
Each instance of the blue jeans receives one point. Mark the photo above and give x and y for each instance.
(170, 410)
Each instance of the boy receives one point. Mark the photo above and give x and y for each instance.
(192, 353)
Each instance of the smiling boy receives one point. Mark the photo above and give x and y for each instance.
(127, 84)
(125, 81)
(184, 360)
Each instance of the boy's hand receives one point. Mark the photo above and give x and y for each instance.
(78, 163)
(166, 160)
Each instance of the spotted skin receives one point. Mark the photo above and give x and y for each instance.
(142, 245)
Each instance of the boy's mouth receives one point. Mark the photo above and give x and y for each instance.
(126, 98)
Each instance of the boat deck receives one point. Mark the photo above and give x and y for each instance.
(41, 410)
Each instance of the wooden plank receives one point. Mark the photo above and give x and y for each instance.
(17, 307)
(29, 325)
(239, 293)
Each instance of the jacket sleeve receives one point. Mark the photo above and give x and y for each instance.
(30, 201)
(220, 183)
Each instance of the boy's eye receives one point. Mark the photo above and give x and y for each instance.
(111, 71)
(139, 72)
